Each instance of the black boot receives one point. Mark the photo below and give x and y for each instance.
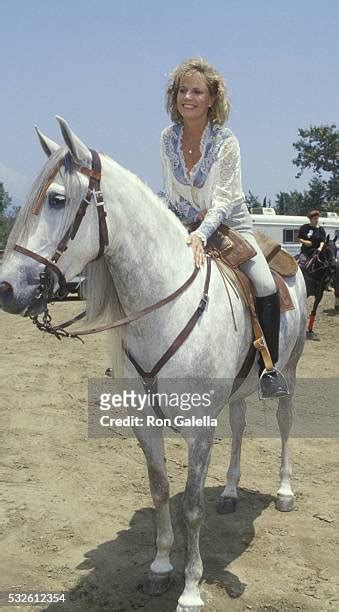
(272, 383)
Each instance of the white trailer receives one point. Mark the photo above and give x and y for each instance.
(284, 228)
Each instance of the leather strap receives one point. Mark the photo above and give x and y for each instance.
(151, 388)
(129, 318)
(181, 337)
(37, 206)
(93, 191)
(259, 338)
(49, 264)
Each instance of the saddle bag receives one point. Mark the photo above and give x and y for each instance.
(228, 245)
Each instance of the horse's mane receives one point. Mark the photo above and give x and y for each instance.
(26, 221)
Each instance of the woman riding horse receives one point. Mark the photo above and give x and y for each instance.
(312, 237)
(202, 182)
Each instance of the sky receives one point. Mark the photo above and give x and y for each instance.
(103, 66)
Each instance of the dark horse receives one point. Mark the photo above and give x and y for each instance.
(319, 273)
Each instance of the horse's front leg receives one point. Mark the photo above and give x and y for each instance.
(198, 459)
(152, 443)
(313, 314)
(285, 496)
(228, 499)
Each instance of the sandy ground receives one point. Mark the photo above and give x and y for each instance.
(76, 514)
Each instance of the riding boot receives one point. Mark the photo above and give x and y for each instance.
(271, 382)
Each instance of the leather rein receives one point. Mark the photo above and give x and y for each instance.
(45, 289)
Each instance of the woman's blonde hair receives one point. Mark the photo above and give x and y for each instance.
(219, 111)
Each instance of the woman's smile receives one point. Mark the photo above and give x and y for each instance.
(193, 98)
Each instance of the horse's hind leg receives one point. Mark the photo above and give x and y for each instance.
(228, 499)
(285, 496)
(152, 443)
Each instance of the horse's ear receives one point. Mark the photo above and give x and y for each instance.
(327, 238)
(78, 150)
(335, 238)
(48, 145)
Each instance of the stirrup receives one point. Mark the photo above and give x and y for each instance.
(276, 386)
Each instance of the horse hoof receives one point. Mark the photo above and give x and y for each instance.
(189, 608)
(311, 335)
(156, 584)
(226, 505)
(284, 503)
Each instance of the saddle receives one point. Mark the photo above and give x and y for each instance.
(229, 250)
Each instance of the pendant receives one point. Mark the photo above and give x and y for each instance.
(190, 151)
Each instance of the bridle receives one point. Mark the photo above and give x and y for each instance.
(316, 263)
(93, 194)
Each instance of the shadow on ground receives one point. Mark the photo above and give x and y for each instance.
(331, 312)
(115, 569)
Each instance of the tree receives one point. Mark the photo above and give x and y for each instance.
(318, 151)
(252, 200)
(7, 215)
(292, 203)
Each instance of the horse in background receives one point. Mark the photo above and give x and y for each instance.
(319, 273)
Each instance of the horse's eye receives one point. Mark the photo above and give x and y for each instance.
(56, 200)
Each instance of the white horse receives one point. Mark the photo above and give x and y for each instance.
(145, 260)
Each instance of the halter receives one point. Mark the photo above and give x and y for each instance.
(93, 194)
(313, 268)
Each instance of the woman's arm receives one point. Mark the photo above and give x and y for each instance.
(227, 190)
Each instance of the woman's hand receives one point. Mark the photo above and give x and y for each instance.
(200, 216)
(197, 248)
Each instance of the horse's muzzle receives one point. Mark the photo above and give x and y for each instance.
(20, 302)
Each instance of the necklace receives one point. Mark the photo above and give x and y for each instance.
(192, 148)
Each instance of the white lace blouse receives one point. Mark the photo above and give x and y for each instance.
(213, 183)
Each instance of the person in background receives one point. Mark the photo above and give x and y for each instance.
(312, 237)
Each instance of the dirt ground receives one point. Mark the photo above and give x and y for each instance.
(76, 514)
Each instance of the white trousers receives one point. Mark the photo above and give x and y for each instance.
(257, 269)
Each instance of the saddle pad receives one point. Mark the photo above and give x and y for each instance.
(279, 260)
(284, 294)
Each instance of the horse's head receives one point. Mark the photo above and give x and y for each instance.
(322, 265)
(52, 239)
(330, 255)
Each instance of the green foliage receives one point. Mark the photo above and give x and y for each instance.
(291, 203)
(7, 215)
(318, 151)
(252, 200)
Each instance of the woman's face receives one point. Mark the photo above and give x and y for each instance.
(193, 97)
